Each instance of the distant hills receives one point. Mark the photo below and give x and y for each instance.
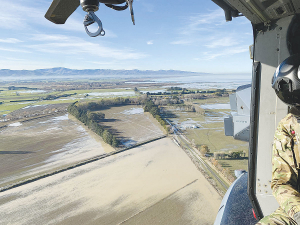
(60, 71)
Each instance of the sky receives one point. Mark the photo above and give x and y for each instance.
(169, 35)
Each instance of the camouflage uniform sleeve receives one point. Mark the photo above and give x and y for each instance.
(284, 172)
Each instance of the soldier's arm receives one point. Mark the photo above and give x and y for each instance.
(284, 176)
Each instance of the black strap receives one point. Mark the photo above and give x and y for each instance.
(118, 8)
(298, 181)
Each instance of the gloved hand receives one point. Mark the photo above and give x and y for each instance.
(297, 218)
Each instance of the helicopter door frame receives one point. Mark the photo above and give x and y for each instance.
(271, 46)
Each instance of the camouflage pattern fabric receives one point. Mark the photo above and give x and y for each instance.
(285, 166)
(279, 217)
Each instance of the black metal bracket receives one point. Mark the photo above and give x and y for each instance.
(254, 120)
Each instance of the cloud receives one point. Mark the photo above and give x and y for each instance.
(207, 18)
(222, 42)
(215, 37)
(11, 59)
(196, 22)
(150, 42)
(70, 45)
(14, 50)
(181, 42)
(199, 28)
(15, 16)
(102, 63)
(10, 40)
(226, 52)
(18, 64)
(28, 15)
(49, 37)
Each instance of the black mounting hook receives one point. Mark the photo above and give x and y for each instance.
(91, 6)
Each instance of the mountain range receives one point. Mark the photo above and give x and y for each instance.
(92, 72)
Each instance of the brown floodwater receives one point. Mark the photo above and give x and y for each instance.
(43, 145)
(152, 184)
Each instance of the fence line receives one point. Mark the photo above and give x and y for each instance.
(75, 165)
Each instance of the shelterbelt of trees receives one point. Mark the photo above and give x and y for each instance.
(192, 93)
(90, 114)
(154, 110)
(91, 119)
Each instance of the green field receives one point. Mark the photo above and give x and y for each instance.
(210, 132)
(12, 100)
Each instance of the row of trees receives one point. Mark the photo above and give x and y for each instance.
(168, 98)
(224, 171)
(184, 91)
(231, 154)
(173, 100)
(20, 88)
(154, 110)
(222, 155)
(96, 116)
(53, 97)
(91, 119)
(179, 90)
(104, 103)
(88, 113)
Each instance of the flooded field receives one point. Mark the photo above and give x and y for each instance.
(42, 145)
(131, 124)
(152, 184)
(215, 106)
(110, 94)
(155, 183)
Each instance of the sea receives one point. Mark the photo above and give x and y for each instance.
(203, 81)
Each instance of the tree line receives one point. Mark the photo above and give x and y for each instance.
(105, 103)
(88, 113)
(181, 91)
(154, 110)
(91, 119)
(53, 97)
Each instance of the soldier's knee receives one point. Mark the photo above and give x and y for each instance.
(277, 217)
(265, 221)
